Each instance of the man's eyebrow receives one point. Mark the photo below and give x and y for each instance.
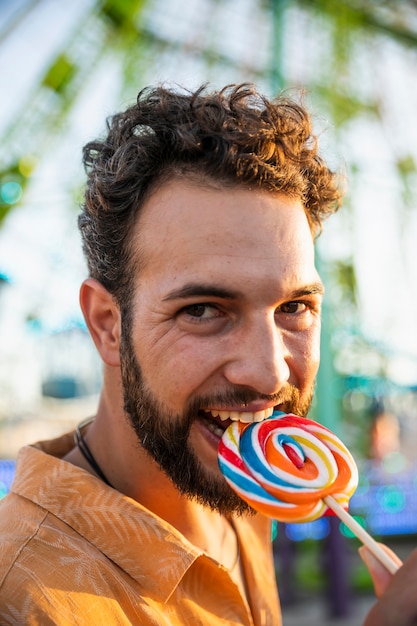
(205, 290)
(309, 290)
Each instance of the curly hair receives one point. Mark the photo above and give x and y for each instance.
(231, 137)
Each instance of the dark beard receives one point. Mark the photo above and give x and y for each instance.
(164, 435)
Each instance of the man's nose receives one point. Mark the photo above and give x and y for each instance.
(259, 358)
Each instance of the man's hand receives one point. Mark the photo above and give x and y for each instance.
(397, 595)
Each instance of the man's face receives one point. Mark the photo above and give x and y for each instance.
(225, 325)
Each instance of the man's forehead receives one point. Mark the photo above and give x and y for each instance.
(231, 239)
(182, 210)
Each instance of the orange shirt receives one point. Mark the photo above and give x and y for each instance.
(74, 551)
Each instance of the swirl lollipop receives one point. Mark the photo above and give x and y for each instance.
(294, 470)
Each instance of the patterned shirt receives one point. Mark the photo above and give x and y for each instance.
(77, 552)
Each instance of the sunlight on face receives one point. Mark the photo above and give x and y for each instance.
(226, 312)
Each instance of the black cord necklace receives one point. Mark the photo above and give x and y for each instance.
(86, 452)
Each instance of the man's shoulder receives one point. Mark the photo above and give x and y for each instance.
(19, 521)
(34, 542)
(42, 560)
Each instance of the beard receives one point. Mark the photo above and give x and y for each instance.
(165, 434)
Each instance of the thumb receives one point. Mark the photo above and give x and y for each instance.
(381, 577)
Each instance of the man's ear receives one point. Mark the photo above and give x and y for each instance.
(102, 316)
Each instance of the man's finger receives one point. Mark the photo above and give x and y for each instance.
(379, 574)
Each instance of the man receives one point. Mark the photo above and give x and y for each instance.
(203, 301)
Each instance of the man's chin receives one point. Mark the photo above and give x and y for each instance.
(224, 502)
(210, 489)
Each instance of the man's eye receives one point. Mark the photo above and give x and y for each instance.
(293, 307)
(201, 311)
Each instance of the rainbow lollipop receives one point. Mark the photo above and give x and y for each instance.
(293, 470)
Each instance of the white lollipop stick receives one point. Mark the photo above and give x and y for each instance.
(362, 534)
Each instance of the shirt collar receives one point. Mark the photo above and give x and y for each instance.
(122, 529)
(117, 525)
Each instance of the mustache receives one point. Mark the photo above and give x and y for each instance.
(238, 395)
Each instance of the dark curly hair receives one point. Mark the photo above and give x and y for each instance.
(230, 137)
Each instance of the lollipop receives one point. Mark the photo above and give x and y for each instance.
(293, 470)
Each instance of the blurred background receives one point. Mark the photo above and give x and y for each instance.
(64, 67)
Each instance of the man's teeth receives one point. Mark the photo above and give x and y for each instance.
(243, 416)
(212, 426)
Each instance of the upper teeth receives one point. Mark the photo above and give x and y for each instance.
(243, 416)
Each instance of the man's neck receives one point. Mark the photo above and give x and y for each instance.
(132, 472)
